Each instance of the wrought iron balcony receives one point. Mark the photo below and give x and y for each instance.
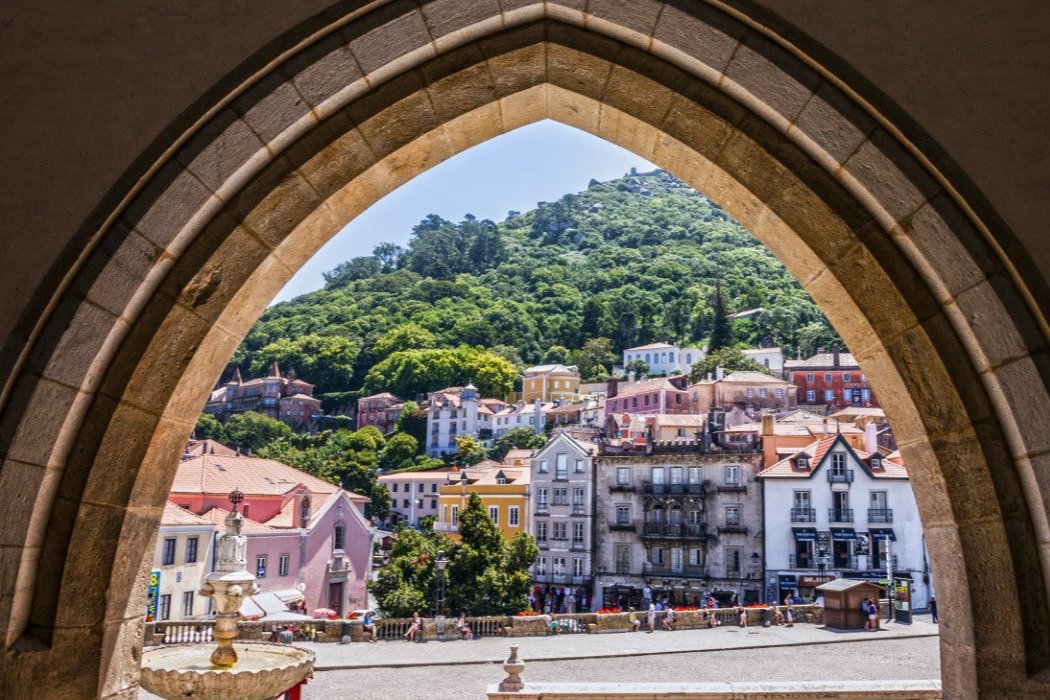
(732, 488)
(621, 527)
(543, 509)
(696, 489)
(578, 509)
(803, 515)
(675, 530)
(622, 488)
(840, 515)
(880, 515)
(543, 544)
(732, 529)
(578, 546)
(842, 477)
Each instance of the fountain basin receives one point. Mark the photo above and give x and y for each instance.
(263, 669)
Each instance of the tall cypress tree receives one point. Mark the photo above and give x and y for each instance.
(721, 332)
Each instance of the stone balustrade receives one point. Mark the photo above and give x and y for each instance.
(392, 629)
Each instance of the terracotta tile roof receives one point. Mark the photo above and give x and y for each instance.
(645, 386)
(383, 395)
(177, 515)
(752, 377)
(517, 454)
(217, 516)
(549, 369)
(788, 467)
(651, 346)
(415, 476)
(200, 447)
(824, 359)
(302, 396)
(251, 475)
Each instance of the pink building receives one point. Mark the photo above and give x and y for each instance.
(380, 410)
(286, 398)
(661, 395)
(307, 539)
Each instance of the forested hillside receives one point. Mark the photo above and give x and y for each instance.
(626, 262)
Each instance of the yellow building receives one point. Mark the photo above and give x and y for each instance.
(504, 491)
(550, 383)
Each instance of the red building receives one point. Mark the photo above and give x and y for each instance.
(380, 410)
(830, 379)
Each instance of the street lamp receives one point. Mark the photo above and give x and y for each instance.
(822, 563)
(441, 562)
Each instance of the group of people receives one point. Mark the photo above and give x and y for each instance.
(559, 600)
(291, 633)
(416, 626)
(871, 610)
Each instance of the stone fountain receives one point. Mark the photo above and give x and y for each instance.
(248, 670)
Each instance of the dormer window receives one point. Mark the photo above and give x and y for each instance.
(802, 462)
(876, 463)
(501, 478)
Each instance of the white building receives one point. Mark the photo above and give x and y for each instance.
(181, 559)
(413, 495)
(770, 358)
(664, 358)
(832, 511)
(452, 413)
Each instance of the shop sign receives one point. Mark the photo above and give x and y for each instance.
(814, 581)
(152, 595)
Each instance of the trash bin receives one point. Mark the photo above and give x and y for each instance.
(347, 626)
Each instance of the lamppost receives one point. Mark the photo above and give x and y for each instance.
(599, 595)
(441, 562)
(822, 563)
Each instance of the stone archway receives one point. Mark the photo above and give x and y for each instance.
(111, 379)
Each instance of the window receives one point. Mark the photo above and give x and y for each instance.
(542, 571)
(656, 555)
(558, 565)
(865, 394)
(829, 395)
(696, 557)
(696, 475)
(560, 531)
(577, 497)
(878, 500)
(623, 476)
(577, 567)
(395, 488)
(455, 514)
(169, 551)
(733, 516)
(838, 463)
(561, 497)
(260, 566)
(561, 468)
(282, 565)
(732, 475)
(577, 533)
(579, 466)
(339, 537)
(433, 488)
(422, 488)
(802, 499)
(187, 604)
(658, 475)
(541, 531)
(404, 503)
(543, 466)
(750, 392)
(676, 560)
(694, 517)
(634, 402)
(811, 396)
(763, 393)
(623, 515)
(732, 562)
(164, 607)
(845, 376)
(809, 376)
(494, 514)
(779, 393)
(847, 395)
(541, 496)
(191, 550)
(513, 516)
(827, 376)
(677, 474)
(622, 555)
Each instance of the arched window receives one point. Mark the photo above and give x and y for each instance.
(647, 360)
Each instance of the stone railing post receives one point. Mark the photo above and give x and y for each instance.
(514, 667)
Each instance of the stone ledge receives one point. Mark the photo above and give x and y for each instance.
(850, 690)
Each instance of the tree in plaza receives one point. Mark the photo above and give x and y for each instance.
(729, 359)
(412, 421)
(520, 438)
(406, 583)
(209, 428)
(721, 330)
(251, 430)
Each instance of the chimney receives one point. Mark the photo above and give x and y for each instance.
(720, 373)
(630, 377)
(825, 429)
(611, 388)
(871, 437)
(835, 356)
(768, 425)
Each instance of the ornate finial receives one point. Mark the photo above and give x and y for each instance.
(235, 498)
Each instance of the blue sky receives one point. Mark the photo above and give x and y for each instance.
(536, 163)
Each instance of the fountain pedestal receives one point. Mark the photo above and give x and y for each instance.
(248, 670)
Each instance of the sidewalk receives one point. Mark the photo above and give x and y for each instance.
(332, 657)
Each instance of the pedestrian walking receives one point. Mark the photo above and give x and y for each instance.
(790, 621)
(650, 618)
(570, 602)
(933, 609)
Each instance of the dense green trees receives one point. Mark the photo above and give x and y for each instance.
(485, 575)
(411, 372)
(251, 430)
(633, 260)
(520, 438)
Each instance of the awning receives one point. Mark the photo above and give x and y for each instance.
(265, 603)
(843, 533)
(805, 534)
(883, 533)
(290, 595)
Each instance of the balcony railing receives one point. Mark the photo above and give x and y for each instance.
(543, 544)
(543, 509)
(675, 530)
(622, 488)
(732, 488)
(667, 570)
(803, 515)
(732, 529)
(841, 477)
(621, 527)
(578, 509)
(578, 546)
(840, 515)
(880, 515)
(672, 489)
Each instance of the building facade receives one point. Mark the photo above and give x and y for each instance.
(381, 410)
(181, 559)
(831, 379)
(834, 511)
(504, 492)
(682, 521)
(755, 391)
(659, 395)
(664, 358)
(286, 398)
(550, 383)
(307, 538)
(563, 515)
(413, 495)
(770, 358)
